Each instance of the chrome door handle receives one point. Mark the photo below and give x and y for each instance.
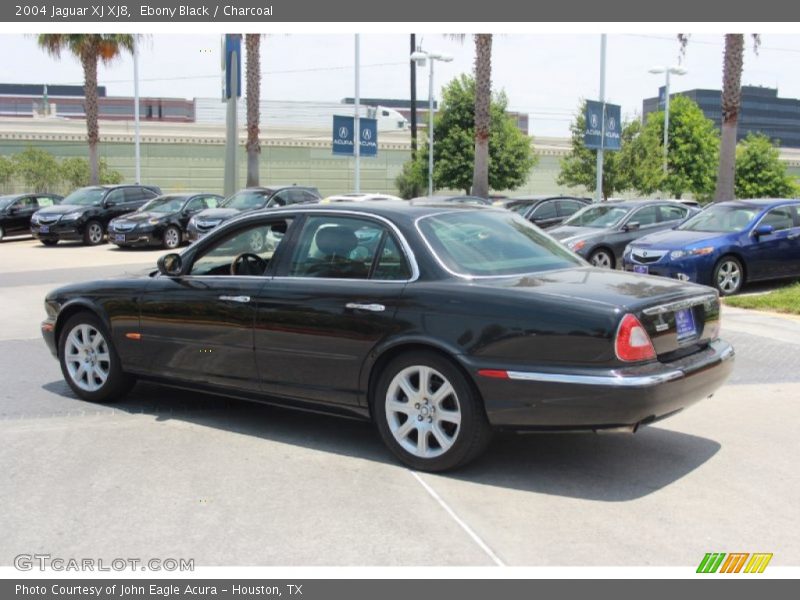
(242, 299)
(369, 307)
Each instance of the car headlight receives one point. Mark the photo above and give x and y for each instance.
(72, 216)
(676, 254)
(154, 221)
(193, 221)
(576, 245)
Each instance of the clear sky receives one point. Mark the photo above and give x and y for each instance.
(544, 75)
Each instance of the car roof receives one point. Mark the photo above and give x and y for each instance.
(760, 202)
(634, 203)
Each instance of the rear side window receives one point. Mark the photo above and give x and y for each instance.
(567, 208)
(45, 201)
(645, 216)
(134, 194)
(347, 248)
(673, 213)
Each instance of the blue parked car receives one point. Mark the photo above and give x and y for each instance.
(725, 245)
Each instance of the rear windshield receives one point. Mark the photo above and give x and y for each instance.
(598, 216)
(492, 243)
(247, 199)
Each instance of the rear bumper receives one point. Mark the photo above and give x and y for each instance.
(596, 399)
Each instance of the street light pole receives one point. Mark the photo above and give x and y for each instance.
(430, 129)
(667, 71)
(421, 57)
(356, 119)
(599, 181)
(136, 131)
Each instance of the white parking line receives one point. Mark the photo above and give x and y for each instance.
(475, 537)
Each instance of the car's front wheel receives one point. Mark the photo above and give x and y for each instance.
(428, 413)
(602, 258)
(89, 362)
(93, 233)
(172, 238)
(728, 275)
(49, 242)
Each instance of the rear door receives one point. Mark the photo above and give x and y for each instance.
(566, 208)
(19, 219)
(331, 302)
(545, 214)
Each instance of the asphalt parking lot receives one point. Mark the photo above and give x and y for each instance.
(177, 474)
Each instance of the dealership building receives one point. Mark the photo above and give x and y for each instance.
(763, 111)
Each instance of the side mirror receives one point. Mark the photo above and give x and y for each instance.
(170, 264)
(12, 210)
(632, 226)
(762, 230)
(109, 203)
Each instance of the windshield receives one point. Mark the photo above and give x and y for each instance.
(484, 243)
(85, 197)
(721, 219)
(598, 216)
(247, 199)
(164, 204)
(6, 200)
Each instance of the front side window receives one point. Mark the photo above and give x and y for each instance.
(247, 200)
(258, 241)
(488, 244)
(164, 204)
(347, 248)
(567, 208)
(546, 210)
(780, 218)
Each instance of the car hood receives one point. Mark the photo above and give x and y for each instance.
(216, 214)
(677, 239)
(570, 232)
(63, 209)
(591, 285)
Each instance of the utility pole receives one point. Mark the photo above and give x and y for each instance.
(356, 120)
(231, 134)
(413, 98)
(598, 196)
(136, 130)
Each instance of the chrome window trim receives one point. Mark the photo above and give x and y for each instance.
(288, 210)
(441, 263)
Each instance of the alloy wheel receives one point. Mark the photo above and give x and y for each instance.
(423, 411)
(601, 259)
(172, 238)
(95, 233)
(729, 277)
(87, 357)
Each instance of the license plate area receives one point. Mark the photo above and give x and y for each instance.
(119, 237)
(44, 229)
(685, 326)
(643, 269)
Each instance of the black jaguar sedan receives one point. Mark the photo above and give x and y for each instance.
(160, 222)
(440, 323)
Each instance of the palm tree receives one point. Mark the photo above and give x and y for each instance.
(253, 47)
(89, 48)
(483, 97)
(731, 104)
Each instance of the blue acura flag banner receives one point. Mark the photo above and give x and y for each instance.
(343, 136)
(594, 126)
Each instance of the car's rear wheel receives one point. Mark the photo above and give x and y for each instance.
(428, 413)
(602, 258)
(728, 275)
(172, 238)
(89, 361)
(93, 233)
(49, 242)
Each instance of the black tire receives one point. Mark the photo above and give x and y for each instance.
(90, 233)
(728, 277)
(467, 440)
(50, 243)
(2, 234)
(116, 384)
(603, 259)
(171, 238)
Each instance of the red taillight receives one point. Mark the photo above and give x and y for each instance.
(633, 343)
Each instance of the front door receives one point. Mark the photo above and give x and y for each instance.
(332, 301)
(773, 255)
(199, 326)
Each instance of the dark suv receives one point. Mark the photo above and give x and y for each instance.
(249, 199)
(85, 213)
(16, 211)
